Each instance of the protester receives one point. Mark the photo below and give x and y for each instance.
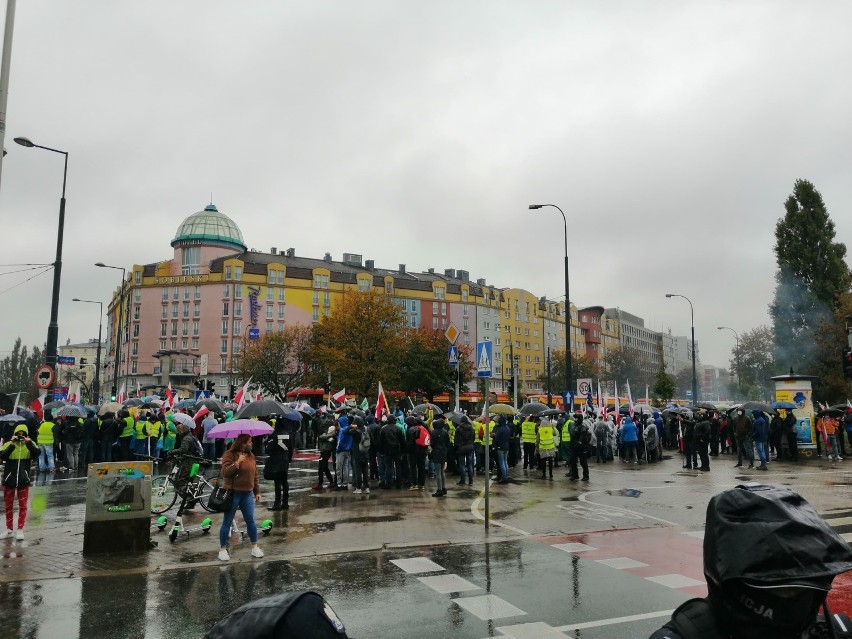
(45, 445)
(239, 470)
(17, 456)
(501, 445)
(465, 437)
(440, 451)
(629, 437)
(743, 435)
(279, 448)
(360, 456)
(545, 446)
(327, 442)
(344, 453)
(760, 432)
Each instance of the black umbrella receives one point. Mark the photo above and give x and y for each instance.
(763, 407)
(706, 405)
(213, 405)
(551, 412)
(455, 417)
(830, 412)
(841, 407)
(263, 408)
(533, 408)
(133, 401)
(54, 404)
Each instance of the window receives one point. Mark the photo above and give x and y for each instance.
(186, 292)
(281, 311)
(413, 321)
(224, 350)
(184, 343)
(435, 306)
(443, 308)
(137, 295)
(280, 327)
(175, 293)
(236, 362)
(315, 315)
(326, 299)
(184, 329)
(136, 330)
(198, 292)
(535, 333)
(444, 323)
(163, 331)
(465, 325)
(238, 309)
(136, 310)
(281, 294)
(226, 291)
(316, 298)
(434, 323)
(238, 291)
(224, 327)
(174, 329)
(195, 343)
(388, 288)
(174, 344)
(238, 273)
(269, 327)
(165, 313)
(195, 329)
(320, 281)
(174, 309)
(190, 260)
(227, 272)
(326, 312)
(238, 327)
(162, 347)
(270, 293)
(464, 310)
(133, 367)
(269, 311)
(165, 293)
(527, 359)
(527, 332)
(223, 362)
(487, 325)
(226, 308)
(498, 341)
(364, 286)
(440, 293)
(196, 311)
(186, 309)
(517, 330)
(464, 297)
(236, 347)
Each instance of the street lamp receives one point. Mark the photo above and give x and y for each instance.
(53, 326)
(736, 352)
(120, 323)
(96, 390)
(568, 374)
(692, 319)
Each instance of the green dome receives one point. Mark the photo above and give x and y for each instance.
(210, 228)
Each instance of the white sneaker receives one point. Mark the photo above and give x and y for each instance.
(256, 552)
(357, 491)
(223, 555)
(6, 534)
(366, 491)
(20, 535)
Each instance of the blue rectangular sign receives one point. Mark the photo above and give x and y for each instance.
(453, 355)
(202, 394)
(483, 359)
(254, 333)
(65, 359)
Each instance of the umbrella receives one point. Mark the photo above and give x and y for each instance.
(676, 410)
(304, 407)
(185, 403)
(262, 408)
(843, 407)
(533, 408)
(763, 407)
(421, 409)
(240, 427)
(148, 398)
(290, 413)
(109, 407)
(830, 412)
(706, 405)
(72, 411)
(183, 418)
(213, 405)
(501, 409)
(58, 403)
(12, 417)
(784, 405)
(133, 401)
(456, 417)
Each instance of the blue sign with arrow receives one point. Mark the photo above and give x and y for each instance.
(483, 359)
(453, 355)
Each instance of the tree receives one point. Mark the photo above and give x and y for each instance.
(277, 362)
(831, 386)
(625, 365)
(425, 368)
(581, 367)
(361, 343)
(812, 274)
(17, 371)
(664, 386)
(683, 381)
(757, 363)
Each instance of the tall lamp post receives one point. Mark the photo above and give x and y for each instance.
(96, 389)
(568, 374)
(53, 326)
(736, 352)
(120, 323)
(692, 320)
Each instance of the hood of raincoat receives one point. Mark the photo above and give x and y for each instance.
(22, 428)
(770, 536)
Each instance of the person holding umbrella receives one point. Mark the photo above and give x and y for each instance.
(239, 470)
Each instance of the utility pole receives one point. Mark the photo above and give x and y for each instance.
(4, 75)
(549, 389)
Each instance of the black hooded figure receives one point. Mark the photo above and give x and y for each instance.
(769, 560)
(280, 450)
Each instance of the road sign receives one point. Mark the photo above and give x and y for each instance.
(584, 386)
(689, 394)
(44, 377)
(60, 393)
(202, 394)
(453, 354)
(67, 360)
(202, 365)
(452, 333)
(483, 359)
(254, 333)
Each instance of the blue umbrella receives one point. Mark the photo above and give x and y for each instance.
(784, 405)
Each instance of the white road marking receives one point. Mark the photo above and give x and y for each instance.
(698, 534)
(417, 564)
(445, 584)
(474, 510)
(576, 547)
(675, 581)
(488, 607)
(847, 537)
(538, 629)
(622, 563)
(615, 620)
(841, 521)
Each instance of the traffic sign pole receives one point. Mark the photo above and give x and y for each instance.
(484, 366)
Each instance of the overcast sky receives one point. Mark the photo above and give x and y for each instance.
(670, 133)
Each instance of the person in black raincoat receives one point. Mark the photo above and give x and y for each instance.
(280, 447)
(769, 561)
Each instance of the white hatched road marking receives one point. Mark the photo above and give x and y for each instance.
(621, 563)
(576, 547)
(675, 581)
(415, 565)
(488, 607)
(615, 620)
(445, 584)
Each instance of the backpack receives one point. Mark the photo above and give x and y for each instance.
(364, 444)
(423, 438)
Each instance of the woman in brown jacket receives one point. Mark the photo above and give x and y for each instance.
(239, 469)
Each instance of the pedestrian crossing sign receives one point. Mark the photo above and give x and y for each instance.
(453, 354)
(483, 359)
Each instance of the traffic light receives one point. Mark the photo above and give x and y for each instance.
(112, 395)
(233, 391)
(83, 360)
(511, 386)
(199, 384)
(210, 385)
(847, 363)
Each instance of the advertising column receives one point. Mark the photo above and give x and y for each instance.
(798, 390)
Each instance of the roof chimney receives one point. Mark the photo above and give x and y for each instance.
(450, 272)
(291, 252)
(370, 264)
(327, 257)
(274, 250)
(432, 271)
(481, 281)
(464, 276)
(402, 268)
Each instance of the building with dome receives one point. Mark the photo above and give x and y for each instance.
(188, 319)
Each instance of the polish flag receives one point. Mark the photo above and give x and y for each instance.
(617, 406)
(601, 403)
(257, 397)
(74, 396)
(122, 394)
(381, 403)
(15, 408)
(170, 396)
(38, 405)
(138, 389)
(340, 396)
(200, 414)
(240, 397)
(629, 400)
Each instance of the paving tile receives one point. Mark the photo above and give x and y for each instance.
(538, 630)
(446, 584)
(488, 607)
(675, 581)
(576, 547)
(417, 564)
(621, 563)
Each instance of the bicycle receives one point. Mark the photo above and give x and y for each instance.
(164, 492)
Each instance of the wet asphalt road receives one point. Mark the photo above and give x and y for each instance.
(561, 559)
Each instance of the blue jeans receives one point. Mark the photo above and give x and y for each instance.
(392, 470)
(467, 461)
(45, 458)
(835, 446)
(209, 450)
(244, 501)
(503, 463)
(762, 452)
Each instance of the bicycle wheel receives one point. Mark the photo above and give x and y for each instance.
(204, 489)
(163, 495)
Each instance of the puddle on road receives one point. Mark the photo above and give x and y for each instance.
(624, 492)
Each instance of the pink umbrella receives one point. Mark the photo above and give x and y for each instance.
(237, 427)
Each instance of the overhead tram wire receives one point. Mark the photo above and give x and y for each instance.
(23, 270)
(42, 272)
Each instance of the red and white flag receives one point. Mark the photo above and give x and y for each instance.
(240, 397)
(617, 406)
(75, 395)
(38, 405)
(381, 403)
(122, 394)
(629, 400)
(138, 389)
(170, 396)
(200, 414)
(15, 407)
(340, 396)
